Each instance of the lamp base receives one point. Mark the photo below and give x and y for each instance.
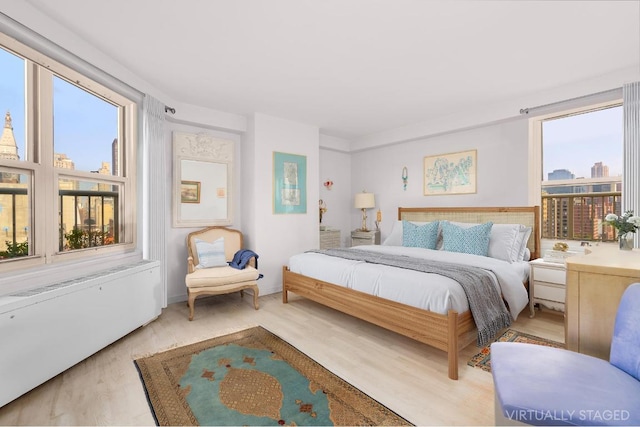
(364, 220)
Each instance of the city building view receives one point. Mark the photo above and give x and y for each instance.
(87, 210)
(575, 208)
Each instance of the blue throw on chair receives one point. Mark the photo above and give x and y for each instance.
(548, 386)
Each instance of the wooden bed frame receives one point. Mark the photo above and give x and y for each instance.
(451, 332)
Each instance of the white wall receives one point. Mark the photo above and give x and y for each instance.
(275, 237)
(502, 171)
(336, 166)
(471, 116)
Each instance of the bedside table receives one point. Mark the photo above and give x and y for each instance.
(547, 285)
(371, 237)
(329, 239)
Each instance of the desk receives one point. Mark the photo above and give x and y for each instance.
(595, 283)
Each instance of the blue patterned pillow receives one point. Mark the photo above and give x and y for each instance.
(420, 236)
(210, 254)
(472, 240)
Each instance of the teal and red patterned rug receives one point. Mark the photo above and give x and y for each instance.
(252, 377)
(482, 360)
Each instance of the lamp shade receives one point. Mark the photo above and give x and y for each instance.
(364, 201)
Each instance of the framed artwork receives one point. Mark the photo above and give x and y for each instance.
(453, 173)
(190, 192)
(289, 183)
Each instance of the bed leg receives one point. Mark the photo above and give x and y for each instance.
(285, 294)
(452, 344)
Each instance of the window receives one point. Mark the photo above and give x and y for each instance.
(67, 176)
(581, 171)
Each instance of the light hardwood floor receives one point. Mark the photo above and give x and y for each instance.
(406, 376)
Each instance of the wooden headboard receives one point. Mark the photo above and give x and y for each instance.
(525, 215)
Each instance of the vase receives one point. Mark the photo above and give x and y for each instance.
(626, 241)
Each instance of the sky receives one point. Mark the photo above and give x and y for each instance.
(84, 125)
(577, 142)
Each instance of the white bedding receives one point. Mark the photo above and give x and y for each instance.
(423, 290)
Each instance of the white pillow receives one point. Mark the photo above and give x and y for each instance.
(524, 234)
(211, 254)
(505, 240)
(395, 237)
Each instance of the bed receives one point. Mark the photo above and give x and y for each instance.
(446, 328)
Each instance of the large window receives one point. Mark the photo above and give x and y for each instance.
(581, 173)
(67, 181)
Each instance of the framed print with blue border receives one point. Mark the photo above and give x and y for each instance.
(289, 183)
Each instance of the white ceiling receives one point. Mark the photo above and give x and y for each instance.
(356, 67)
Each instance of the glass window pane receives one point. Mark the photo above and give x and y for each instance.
(85, 130)
(15, 214)
(582, 174)
(88, 214)
(584, 146)
(12, 103)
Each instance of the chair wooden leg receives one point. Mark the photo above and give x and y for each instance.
(191, 301)
(255, 297)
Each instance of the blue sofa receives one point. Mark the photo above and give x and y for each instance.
(540, 385)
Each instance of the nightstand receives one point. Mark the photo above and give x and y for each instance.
(371, 237)
(547, 285)
(329, 239)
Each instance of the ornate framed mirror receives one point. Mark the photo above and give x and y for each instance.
(203, 180)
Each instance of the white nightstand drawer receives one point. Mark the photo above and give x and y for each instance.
(549, 292)
(549, 275)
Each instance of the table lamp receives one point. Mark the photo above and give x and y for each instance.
(364, 201)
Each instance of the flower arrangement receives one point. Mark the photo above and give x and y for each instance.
(627, 223)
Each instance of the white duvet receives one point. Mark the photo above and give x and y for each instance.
(427, 291)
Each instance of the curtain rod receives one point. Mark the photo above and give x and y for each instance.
(529, 109)
(168, 109)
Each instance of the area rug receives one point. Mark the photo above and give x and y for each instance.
(482, 360)
(252, 377)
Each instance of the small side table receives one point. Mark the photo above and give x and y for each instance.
(547, 284)
(329, 239)
(371, 237)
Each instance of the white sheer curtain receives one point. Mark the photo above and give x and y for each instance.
(631, 153)
(153, 135)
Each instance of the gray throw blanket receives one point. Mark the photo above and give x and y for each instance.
(485, 302)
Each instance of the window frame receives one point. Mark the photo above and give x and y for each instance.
(44, 196)
(536, 173)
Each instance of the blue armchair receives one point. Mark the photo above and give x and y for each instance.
(540, 385)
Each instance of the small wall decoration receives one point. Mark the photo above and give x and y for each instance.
(289, 183)
(453, 173)
(323, 208)
(190, 192)
(405, 178)
(328, 184)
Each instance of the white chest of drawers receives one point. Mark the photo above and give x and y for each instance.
(547, 285)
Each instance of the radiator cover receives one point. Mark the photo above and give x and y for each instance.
(46, 330)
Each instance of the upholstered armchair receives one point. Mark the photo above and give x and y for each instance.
(209, 252)
(550, 386)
